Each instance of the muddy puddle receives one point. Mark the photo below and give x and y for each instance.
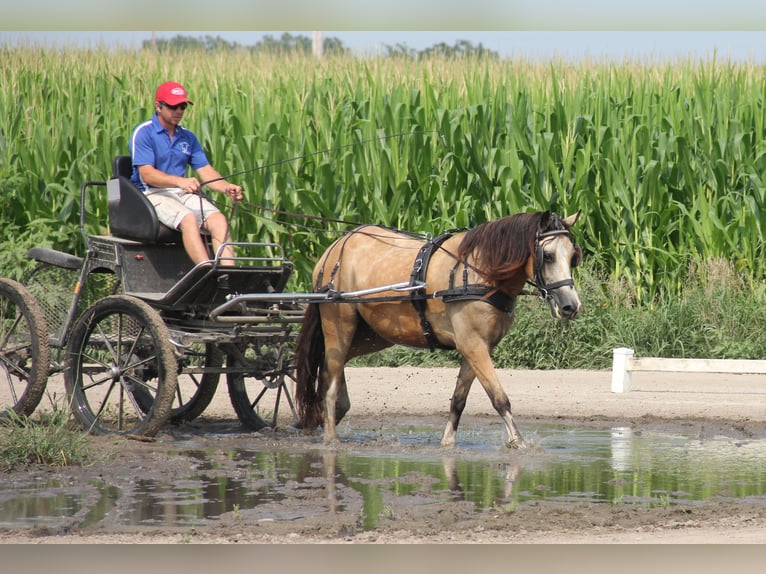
(264, 481)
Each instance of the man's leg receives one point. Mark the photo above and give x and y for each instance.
(218, 227)
(192, 240)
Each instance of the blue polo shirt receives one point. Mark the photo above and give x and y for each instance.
(150, 145)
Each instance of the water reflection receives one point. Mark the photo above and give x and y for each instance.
(53, 504)
(617, 466)
(38, 504)
(622, 446)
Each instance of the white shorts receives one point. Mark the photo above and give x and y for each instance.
(173, 204)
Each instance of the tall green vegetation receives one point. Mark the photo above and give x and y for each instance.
(664, 159)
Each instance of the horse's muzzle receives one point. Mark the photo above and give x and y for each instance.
(564, 305)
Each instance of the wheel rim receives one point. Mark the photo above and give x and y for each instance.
(24, 350)
(123, 373)
(261, 388)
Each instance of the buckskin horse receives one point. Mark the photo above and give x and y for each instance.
(463, 290)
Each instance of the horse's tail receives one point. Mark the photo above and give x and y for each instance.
(309, 357)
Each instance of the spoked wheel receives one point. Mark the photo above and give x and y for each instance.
(25, 353)
(261, 386)
(123, 372)
(196, 387)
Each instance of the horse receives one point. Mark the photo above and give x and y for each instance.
(461, 291)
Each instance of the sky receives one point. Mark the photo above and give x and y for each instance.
(570, 44)
(733, 29)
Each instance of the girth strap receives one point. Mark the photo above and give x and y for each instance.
(418, 296)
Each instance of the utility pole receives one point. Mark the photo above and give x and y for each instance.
(318, 45)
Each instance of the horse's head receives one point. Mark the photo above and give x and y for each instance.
(555, 254)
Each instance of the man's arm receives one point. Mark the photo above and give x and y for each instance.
(209, 173)
(156, 178)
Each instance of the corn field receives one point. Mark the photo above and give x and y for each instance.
(665, 160)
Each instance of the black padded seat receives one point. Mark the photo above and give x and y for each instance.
(131, 214)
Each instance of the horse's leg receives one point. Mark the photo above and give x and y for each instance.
(357, 339)
(332, 373)
(343, 402)
(338, 333)
(337, 404)
(479, 357)
(464, 381)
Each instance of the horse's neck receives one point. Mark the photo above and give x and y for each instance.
(449, 271)
(470, 271)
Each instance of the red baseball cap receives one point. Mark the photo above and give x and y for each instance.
(172, 94)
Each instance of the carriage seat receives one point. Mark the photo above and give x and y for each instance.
(131, 214)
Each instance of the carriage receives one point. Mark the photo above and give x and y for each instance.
(141, 336)
(128, 326)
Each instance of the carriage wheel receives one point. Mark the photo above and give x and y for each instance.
(123, 373)
(195, 391)
(25, 353)
(262, 398)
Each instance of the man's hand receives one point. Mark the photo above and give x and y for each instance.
(233, 191)
(188, 184)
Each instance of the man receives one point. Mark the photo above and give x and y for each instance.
(162, 149)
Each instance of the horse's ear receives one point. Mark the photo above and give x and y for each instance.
(571, 220)
(545, 219)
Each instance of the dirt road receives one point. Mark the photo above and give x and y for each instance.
(727, 403)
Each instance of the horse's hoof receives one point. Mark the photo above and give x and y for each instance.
(331, 441)
(516, 443)
(447, 444)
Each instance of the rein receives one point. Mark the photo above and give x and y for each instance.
(441, 136)
(302, 215)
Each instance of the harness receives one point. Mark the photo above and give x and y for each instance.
(418, 277)
(465, 292)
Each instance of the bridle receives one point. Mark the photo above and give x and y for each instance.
(544, 288)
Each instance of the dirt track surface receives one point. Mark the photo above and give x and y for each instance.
(732, 405)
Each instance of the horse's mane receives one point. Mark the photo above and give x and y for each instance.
(501, 248)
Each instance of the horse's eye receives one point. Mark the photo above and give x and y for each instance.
(548, 257)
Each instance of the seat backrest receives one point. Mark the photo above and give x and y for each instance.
(131, 214)
(122, 165)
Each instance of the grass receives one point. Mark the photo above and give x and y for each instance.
(51, 438)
